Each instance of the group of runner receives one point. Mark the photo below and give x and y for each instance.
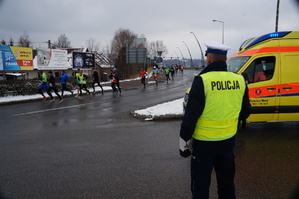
(48, 83)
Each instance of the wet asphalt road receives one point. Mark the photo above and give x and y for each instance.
(96, 149)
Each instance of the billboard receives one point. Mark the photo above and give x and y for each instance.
(51, 59)
(83, 60)
(136, 55)
(15, 58)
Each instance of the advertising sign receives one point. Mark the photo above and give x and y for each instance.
(136, 55)
(83, 60)
(51, 59)
(15, 58)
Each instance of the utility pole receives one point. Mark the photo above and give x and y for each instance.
(49, 44)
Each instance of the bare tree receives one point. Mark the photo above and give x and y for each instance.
(108, 53)
(24, 40)
(123, 38)
(63, 42)
(11, 41)
(155, 46)
(2, 42)
(92, 45)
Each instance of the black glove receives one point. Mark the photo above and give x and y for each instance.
(185, 154)
(185, 148)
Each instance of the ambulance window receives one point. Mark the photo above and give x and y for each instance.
(235, 63)
(260, 69)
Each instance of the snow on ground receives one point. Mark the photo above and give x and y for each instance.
(38, 96)
(164, 110)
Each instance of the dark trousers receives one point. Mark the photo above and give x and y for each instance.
(55, 91)
(114, 85)
(96, 82)
(143, 81)
(201, 170)
(64, 88)
(83, 87)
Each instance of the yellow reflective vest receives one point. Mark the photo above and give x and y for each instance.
(43, 77)
(77, 77)
(81, 79)
(224, 93)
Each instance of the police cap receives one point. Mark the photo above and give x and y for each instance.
(214, 47)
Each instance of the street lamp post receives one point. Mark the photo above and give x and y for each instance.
(202, 58)
(277, 16)
(177, 57)
(182, 55)
(222, 29)
(189, 54)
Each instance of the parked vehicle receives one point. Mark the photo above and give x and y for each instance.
(270, 65)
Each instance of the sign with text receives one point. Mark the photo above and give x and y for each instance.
(15, 58)
(51, 59)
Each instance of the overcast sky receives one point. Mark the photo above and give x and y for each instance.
(170, 21)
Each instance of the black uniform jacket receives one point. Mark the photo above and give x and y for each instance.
(52, 81)
(195, 107)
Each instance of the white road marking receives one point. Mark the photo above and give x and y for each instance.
(52, 109)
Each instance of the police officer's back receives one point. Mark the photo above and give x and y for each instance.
(217, 100)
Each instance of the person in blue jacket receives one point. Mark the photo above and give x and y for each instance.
(63, 80)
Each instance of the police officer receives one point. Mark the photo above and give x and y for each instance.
(217, 100)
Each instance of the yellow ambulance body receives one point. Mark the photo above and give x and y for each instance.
(270, 64)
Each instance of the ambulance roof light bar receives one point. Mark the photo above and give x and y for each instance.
(252, 41)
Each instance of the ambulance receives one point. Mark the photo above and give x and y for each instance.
(270, 65)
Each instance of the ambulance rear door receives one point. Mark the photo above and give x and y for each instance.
(289, 86)
(263, 77)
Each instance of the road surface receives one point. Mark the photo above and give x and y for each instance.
(96, 149)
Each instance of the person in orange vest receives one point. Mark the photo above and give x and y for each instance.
(182, 68)
(115, 82)
(143, 74)
(259, 74)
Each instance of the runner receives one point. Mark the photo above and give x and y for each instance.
(143, 74)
